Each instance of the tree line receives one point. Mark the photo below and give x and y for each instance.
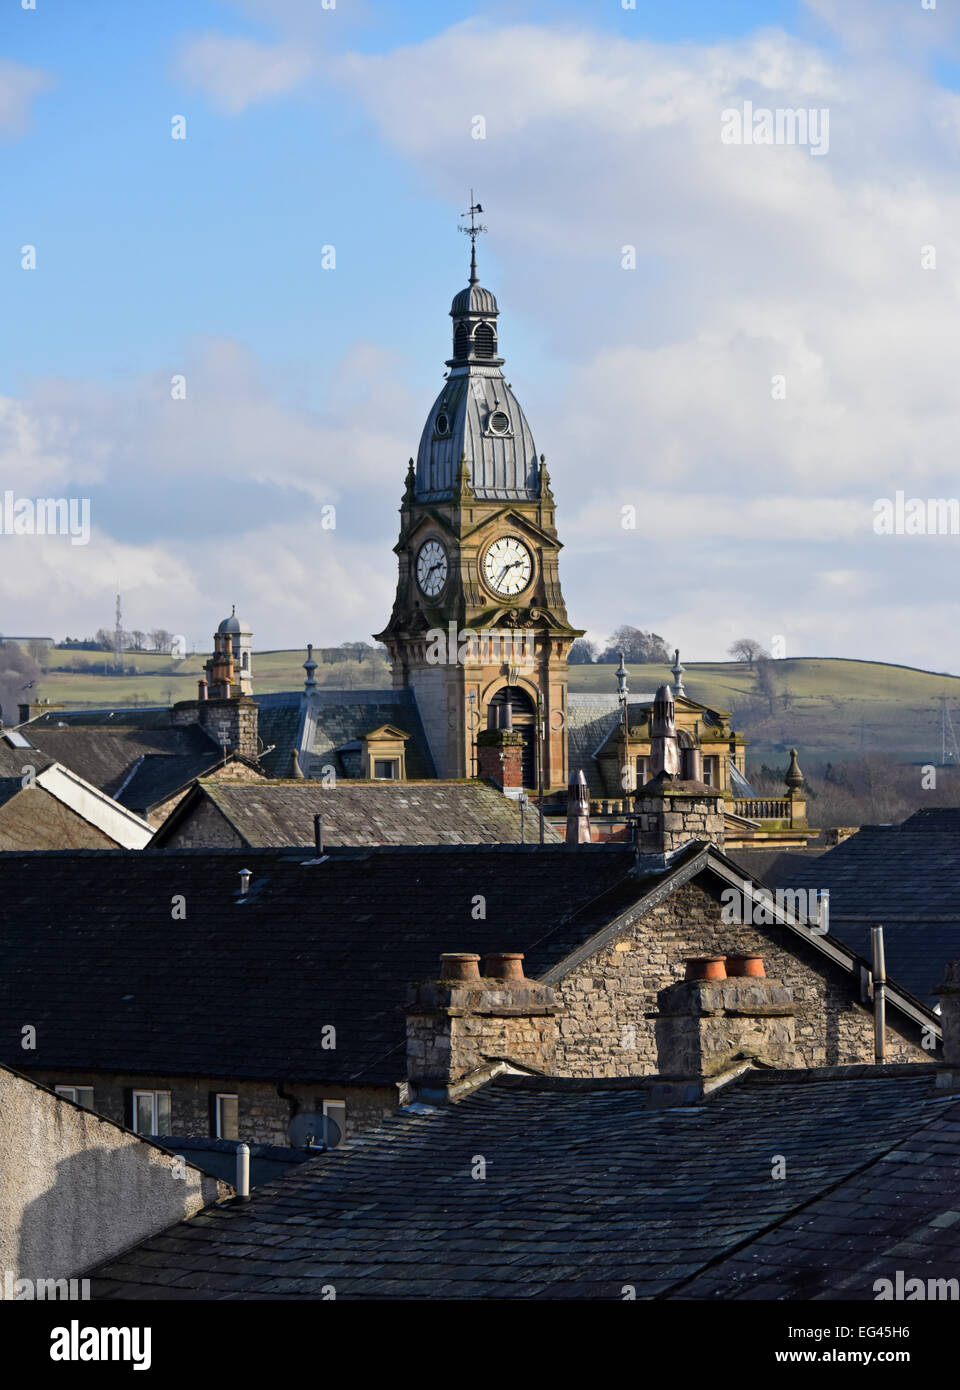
(636, 645)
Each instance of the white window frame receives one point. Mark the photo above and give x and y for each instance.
(73, 1093)
(225, 1095)
(340, 1105)
(394, 763)
(154, 1118)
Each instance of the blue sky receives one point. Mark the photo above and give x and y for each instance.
(350, 127)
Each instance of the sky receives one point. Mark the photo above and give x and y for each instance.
(774, 353)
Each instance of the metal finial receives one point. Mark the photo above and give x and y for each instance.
(473, 231)
(622, 673)
(310, 667)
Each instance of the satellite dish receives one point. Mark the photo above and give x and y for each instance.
(313, 1129)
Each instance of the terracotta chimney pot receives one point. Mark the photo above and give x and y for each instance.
(504, 965)
(459, 965)
(746, 965)
(705, 968)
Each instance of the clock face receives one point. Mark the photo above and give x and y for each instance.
(431, 568)
(507, 566)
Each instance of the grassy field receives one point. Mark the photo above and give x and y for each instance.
(159, 680)
(829, 708)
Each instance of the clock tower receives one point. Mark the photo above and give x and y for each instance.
(479, 621)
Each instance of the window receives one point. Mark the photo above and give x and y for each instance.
(151, 1112)
(226, 1120)
(641, 771)
(336, 1111)
(710, 771)
(461, 341)
(83, 1095)
(385, 769)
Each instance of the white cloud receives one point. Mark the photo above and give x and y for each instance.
(214, 499)
(753, 262)
(236, 72)
(19, 86)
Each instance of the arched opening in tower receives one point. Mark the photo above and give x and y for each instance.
(484, 342)
(524, 713)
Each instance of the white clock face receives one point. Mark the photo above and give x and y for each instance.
(432, 568)
(507, 566)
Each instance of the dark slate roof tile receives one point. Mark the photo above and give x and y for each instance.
(906, 877)
(372, 813)
(648, 1199)
(93, 957)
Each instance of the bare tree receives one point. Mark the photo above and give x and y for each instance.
(749, 650)
(767, 681)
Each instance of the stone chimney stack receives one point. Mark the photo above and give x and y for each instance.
(672, 811)
(725, 1011)
(230, 723)
(578, 811)
(500, 759)
(460, 1022)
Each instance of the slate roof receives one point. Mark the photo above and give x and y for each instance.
(93, 958)
(330, 722)
(589, 720)
(587, 1190)
(14, 760)
(105, 754)
(905, 877)
(159, 776)
(899, 1213)
(364, 813)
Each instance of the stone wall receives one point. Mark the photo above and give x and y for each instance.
(263, 1113)
(77, 1189)
(605, 1030)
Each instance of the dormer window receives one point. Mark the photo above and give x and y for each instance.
(499, 422)
(484, 341)
(443, 423)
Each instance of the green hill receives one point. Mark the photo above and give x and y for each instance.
(829, 708)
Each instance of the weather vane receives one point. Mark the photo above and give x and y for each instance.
(473, 231)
